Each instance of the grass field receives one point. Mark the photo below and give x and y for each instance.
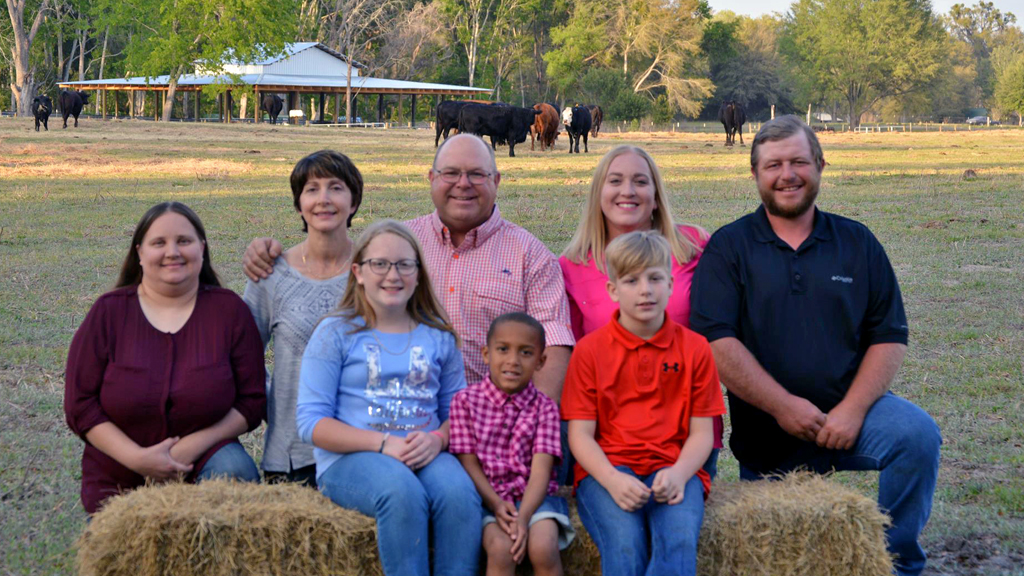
(69, 200)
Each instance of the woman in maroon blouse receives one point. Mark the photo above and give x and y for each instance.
(167, 370)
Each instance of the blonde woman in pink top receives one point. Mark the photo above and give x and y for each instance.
(627, 194)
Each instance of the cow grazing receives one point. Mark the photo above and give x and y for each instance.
(545, 126)
(732, 116)
(508, 124)
(596, 116)
(41, 109)
(448, 116)
(577, 123)
(71, 104)
(272, 104)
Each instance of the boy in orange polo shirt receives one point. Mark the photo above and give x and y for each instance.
(640, 396)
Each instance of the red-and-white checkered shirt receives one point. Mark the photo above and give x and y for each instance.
(498, 268)
(505, 431)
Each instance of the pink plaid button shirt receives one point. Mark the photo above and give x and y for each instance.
(498, 268)
(505, 432)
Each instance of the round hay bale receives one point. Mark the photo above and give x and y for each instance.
(801, 525)
(220, 527)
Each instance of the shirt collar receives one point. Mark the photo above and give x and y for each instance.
(663, 338)
(763, 228)
(474, 237)
(498, 397)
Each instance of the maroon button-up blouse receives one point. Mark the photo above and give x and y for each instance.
(154, 385)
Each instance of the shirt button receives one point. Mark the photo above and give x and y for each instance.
(644, 359)
(451, 288)
(455, 256)
(797, 277)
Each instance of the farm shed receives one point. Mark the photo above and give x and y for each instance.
(303, 68)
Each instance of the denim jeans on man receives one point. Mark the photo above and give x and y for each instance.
(656, 539)
(438, 499)
(230, 461)
(902, 441)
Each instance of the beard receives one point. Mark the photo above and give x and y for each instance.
(793, 211)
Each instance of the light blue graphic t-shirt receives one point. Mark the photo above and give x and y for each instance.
(397, 383)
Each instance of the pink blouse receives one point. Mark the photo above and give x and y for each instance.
(590, 307)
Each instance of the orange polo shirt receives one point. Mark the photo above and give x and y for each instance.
(642, 393)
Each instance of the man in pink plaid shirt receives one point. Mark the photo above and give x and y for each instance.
(506, 434)
(480, 265)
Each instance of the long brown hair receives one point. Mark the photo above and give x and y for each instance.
(131, 269)
(423, 306)
(591, 234)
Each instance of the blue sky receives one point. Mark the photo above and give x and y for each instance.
(758, 7)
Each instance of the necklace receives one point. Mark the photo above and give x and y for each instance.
(384, 348)
(330, 273)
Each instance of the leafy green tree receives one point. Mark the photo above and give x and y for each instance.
(743, 56)
(866, 50)
(1010, 88)
(980, 27)
(174, 36)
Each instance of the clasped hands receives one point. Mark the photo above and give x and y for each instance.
(837, 430)
(415, 450)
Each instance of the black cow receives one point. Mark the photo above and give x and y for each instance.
(502, 123)
(71, 104)
(272, 105)
(577, 123)
(41, 109)
(596, 116)
(448, 116)
(732, 116)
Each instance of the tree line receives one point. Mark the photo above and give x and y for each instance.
(660, 60)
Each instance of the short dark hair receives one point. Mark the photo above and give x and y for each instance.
(327, 164)
(781, 128)
(520, 318)
(131, 269)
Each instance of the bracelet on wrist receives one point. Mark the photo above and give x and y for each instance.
(439, 435)
(383, 442)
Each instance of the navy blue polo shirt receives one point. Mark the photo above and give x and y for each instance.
(807, 315)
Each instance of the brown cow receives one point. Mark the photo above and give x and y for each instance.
(545, 126)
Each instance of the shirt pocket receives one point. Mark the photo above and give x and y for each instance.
(492, 298)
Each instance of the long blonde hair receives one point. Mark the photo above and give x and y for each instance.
(423, 306)
(591, 236)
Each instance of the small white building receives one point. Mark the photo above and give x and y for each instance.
(303, 68)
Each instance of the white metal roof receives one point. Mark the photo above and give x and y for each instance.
(360, 83)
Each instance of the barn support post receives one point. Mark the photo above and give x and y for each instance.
(337, 107)
(320, 109)
(355, 107)
(293, 104)
(256, 116)
(103, 103)
(227, 105)
(199, 94)
(412, 118)
(156, 106)
(184, 106)
(380, 107)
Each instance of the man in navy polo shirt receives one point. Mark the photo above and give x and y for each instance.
(807, 326)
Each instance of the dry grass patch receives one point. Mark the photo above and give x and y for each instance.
(89, 166)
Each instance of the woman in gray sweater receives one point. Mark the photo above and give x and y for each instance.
(308, 282)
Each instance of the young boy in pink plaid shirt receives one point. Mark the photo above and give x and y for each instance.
(506, 434)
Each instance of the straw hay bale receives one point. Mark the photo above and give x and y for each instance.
(220, 527)
(803, 524)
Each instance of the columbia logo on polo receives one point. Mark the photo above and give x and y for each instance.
(843, 279)
(665, 367)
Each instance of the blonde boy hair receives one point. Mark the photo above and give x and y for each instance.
(423, 306)
(591, 234)
(636, 252)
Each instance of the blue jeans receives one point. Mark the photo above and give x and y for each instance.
(410, 506)
(656, 539)
(902, 442)
(230, 461)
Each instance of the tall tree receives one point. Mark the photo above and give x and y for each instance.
(1010, 89)
(866, 50)
(175, 36)
(979, 27)
(23, 88)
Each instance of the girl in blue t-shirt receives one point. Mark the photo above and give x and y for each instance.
(376, 381)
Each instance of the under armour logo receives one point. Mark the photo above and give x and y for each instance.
(665, 367)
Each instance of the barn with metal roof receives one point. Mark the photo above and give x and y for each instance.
(303, 68)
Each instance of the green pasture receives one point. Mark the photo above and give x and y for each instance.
(69, 200)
